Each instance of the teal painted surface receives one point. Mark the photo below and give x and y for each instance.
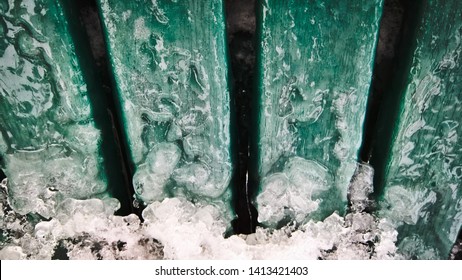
(50, 145)
(170, 68)
(315, 68)
(418, 152)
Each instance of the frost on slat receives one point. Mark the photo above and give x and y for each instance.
(315, 69)
(170, 68)
(418, 152)
(50, 147)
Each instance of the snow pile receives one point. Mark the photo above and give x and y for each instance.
(178, 229)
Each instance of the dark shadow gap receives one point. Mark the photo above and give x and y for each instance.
(386, 102)
(89, 40)
(390, 79)
(240, 19)
(390, 31)
(2, 175)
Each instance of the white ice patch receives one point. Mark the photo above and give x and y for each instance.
(293, 192)
(204, 180)
(141, 31)
(150, 178)
(407, 206)
(361, 187)
(126, 15)
(179, 229)
(12, 253)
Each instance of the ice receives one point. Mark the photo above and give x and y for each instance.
(150, 178)
(163, 158)
(176, 228)
(413, 246)
(192, 175)
(46, 178)
(169, 221)
(418, 157)
(195, 146)
(51, 145)
(361, 187)
(204, 180)
(12, 253)
(273, 198)
(407, 206)
(147, 186)
(141, 31)
(174, 219)
(84, 229)
(308, 175)
(293, 193)
(173, 85)
(312, 93)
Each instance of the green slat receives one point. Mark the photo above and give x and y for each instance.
(170, 68)
(315, 67)
(50, 145)
(418, 151)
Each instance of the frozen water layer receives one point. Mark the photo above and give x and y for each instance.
(171, 78)
(418, 152)
(50, 142)
(178, 229)
(361, 188)
(293, 193)
(312, 93)
(150, 178)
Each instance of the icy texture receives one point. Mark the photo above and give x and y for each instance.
(361, 188)
(421, 177)
(178, 229)
(170, 67)
(293, 193)
(161, 161)
(49, 146)
(315, 68)
(84, 229)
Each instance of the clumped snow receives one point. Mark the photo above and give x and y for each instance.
(178, 229)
